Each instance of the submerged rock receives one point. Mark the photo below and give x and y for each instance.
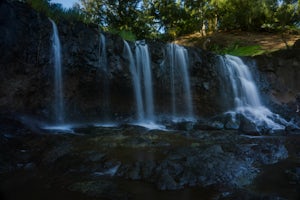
(199, 154)
(89, 164)
(248, 126)
(88, 88)
(100, 189)
(293, 175)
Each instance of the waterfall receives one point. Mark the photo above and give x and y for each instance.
(242, 95)
(140, 69)
(58, 81)
(179, 80)
(105, 86)
(102, 53)
(136, 82)
(143, 65)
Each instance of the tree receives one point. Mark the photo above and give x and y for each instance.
(118, 15)
(287, 13)
(56, 11)
(173, 18)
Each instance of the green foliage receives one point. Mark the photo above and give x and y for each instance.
(247, 51)
(256, 14)
(124, 16)
(126, 35)
(40, 5)
(172, 18)
(236, 50)
(56, 11)
(169, 19)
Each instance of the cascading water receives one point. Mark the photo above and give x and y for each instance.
(140, 69)
(102, 53)
(58, 79)
(179, 79)
(242, 96)
(143, 65)
(103, 65)
(136, 82)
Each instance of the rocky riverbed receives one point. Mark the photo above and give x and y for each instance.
(210, 157)
(132, 162)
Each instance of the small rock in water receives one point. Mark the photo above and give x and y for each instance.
(248, 127)
(217, 125)
(30, 166)
(293, 175)
(232, 125)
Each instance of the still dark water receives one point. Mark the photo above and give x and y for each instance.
(280, 180)
(283, 178)
(24, 186)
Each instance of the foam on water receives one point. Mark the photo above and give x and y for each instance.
(65, 128)
(150, 125)
(242, 96)
(106, 125)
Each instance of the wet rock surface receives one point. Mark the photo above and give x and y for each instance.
(106, 163)
(209, 158)
(279, 81)
(27, 73)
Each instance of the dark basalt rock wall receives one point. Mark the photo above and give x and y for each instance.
(24, 59)
(26, 83)
(85, 79)
(27, 70)
(279, 80)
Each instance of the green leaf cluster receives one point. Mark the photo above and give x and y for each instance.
(257, 15)
(237, 50)
(56, 11)
(172, 18)
(169, 19)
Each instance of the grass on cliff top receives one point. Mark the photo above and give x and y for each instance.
(252, 50)
(240, 43)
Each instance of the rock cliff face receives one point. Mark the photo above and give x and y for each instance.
(279, 80)
(87, 162)
(87, 85)
(24, 60)
(27, 72)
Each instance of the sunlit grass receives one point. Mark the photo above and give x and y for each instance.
(246, 51)
(236, 50)
(127, 35)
